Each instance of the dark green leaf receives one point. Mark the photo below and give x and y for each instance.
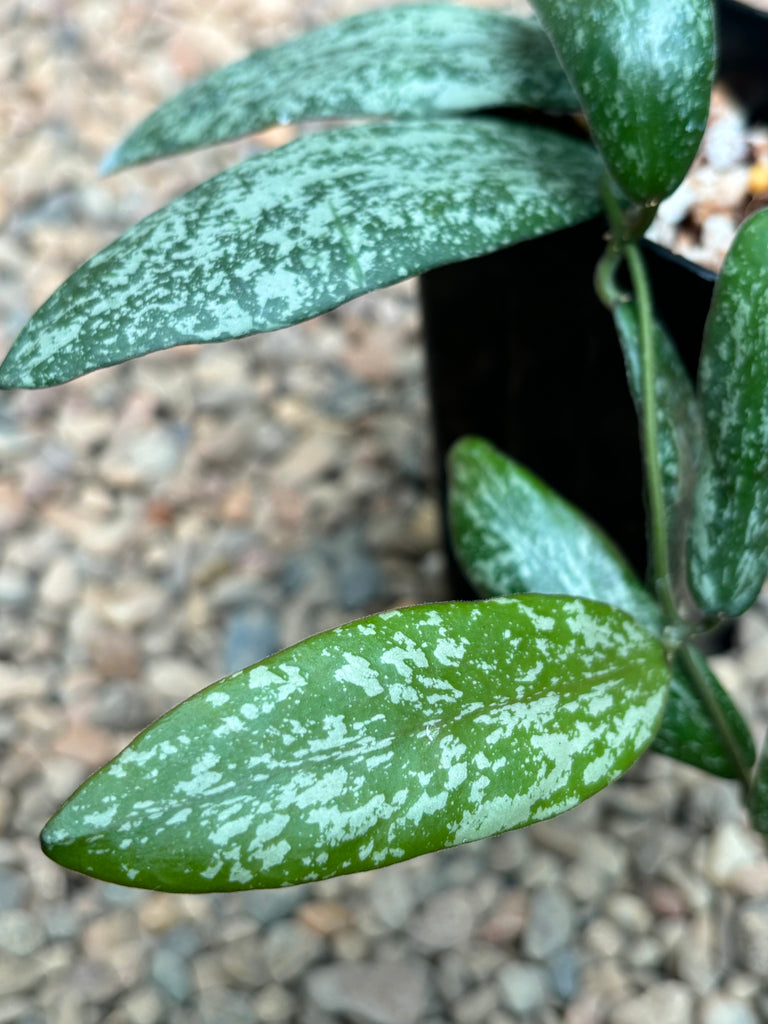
(687, 732)
(679, 429)
(291, 234)
(402, 733)
(512, 533)
(729, 537)
(643, 70)
(758, 797)
(402, 61)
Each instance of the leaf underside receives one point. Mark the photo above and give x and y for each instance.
(296, 232)
(512, 533)
(403, 733)
(409, 61)
(728, 548)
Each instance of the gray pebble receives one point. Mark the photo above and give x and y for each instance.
(668, 1002)
(358, 580)
(564, 974)
(387, 993)
(267, 905)
(289, 948)
(121, 705)
(250, 635)
(475, 1005)
(752, 936)
(20, 932)
(14, 888)
(171, 973)
(446, 921)
(221, 1006)
(392, 897)
(550, 923)
(16, 589)
(523, 987)
(722, 1009)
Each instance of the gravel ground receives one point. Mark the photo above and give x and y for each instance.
(168, 521)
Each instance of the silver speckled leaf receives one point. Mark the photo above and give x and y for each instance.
(643, 70)
(419, 61)
(687, 731)
(728, 547)
(406, 732)
(512, 533)
(300, 230)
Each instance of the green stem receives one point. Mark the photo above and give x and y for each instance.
(627, 226)
(715, 713)
(662, 576)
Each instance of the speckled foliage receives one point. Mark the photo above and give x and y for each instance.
(285, 236)
(512, 534)
(406, 732)
(643, 70)
(729, 538)
(409, 61)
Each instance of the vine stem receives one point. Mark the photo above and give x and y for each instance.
(655, 493)
(626, 228)
(715, 713)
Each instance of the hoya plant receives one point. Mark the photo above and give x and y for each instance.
(426, 727)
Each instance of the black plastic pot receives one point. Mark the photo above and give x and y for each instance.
(521, 352)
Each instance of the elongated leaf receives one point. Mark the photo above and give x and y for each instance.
(758, 797)
(679, 429)
(729, 537)
(643, 70)
(687, 732)
(512, 533)
(300, 230)
(404, 61)
(399, 734)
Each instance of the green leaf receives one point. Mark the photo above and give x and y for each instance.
(402, 733)
(402, 61)
(758, 797)
(679, 426)
(300, 230)
(728, 548)
(643, 70)
(512, 533)
(687, 732)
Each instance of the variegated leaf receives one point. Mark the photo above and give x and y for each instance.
(511, 533)
(300, 230)
(406, 61)
(728, 547)
(406, 732)
(643, 70)
(687, 731)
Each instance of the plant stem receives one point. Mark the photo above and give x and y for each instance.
(715, 713)
(656, 510)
